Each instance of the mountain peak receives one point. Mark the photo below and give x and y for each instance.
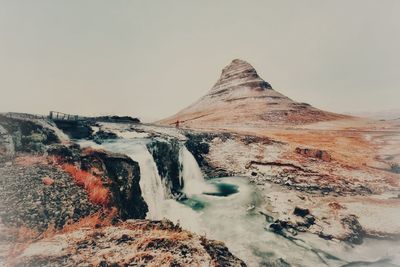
(239, 73)
(239, 63)
(241, 98)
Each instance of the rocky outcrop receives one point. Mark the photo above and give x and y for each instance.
(301, 211)
(220, 254)
(37, 189)
(199, 144)
(314, 153)
(82, 128)
(115, 119)
(123, 175)
(75, 129)
(133, 243)
(28, 136)
(166, 157)
(7, 149)
(119, 173)
(42, 203)
(355, 231)
(100, 136)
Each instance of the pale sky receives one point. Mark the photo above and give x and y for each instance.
(152, 58)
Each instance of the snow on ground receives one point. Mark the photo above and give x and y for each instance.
(127, 130)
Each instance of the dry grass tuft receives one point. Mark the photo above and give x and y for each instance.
(24, 236)
(96, 220)
(98, 194)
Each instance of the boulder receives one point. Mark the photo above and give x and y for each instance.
(302, 212)
(355, 232)
(101, 135)
(314, 153)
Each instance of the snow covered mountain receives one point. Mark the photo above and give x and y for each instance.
(242, 97)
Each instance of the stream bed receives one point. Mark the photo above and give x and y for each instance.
(228, 210)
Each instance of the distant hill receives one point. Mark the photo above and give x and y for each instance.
(382, 114)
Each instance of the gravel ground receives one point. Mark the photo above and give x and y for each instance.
(26, 200)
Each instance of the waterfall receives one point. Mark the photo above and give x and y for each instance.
(151, 184)
(191, 175)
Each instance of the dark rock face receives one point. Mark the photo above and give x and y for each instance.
(357, 233)
(395, 168)
(69, 154)
(124, 175)
(166, 157)
(198, 145)
(314, 153)
(301, 211)
(283, 227)
(81, 129)
(220, 253)
(101, 135)
(309, 219)
(75, 129)
(7, 149)
(28, 136)
(277, 226)
(325, 236)
(115, 119)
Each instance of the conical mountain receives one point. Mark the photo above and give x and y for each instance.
(241, 97)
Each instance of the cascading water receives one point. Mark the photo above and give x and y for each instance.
(151, 184)
(191, 175)
(219, 208)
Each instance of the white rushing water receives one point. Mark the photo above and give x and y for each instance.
(191, 174)
(151, 184)
(153, 190)
(226, 209)
(231, 218)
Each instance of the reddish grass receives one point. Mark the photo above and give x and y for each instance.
(392, 180)
(95, 220)
(335, 206)
(24, 236)
(98, 194)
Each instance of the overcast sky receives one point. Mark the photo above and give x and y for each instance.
(152, 58)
